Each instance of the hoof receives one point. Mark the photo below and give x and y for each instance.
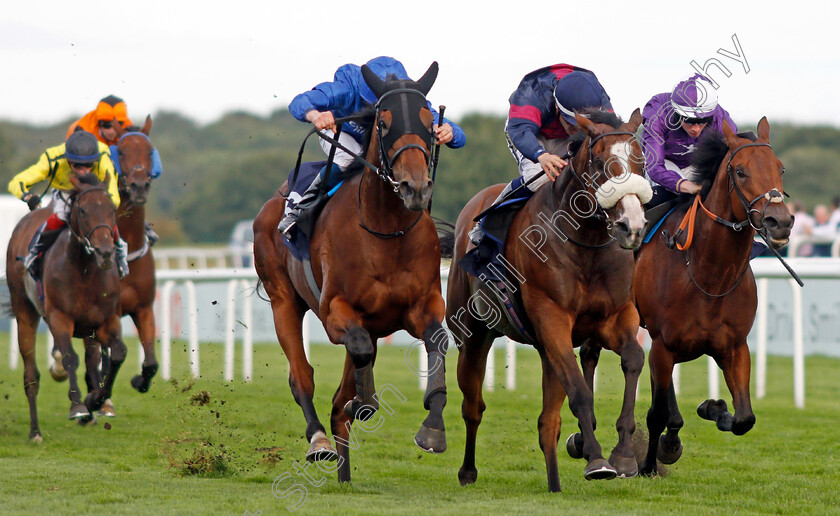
(321, 449)
(140, 384)
(107, 409)
(77, 411)
(710, 408)
(88, 420)
(574, 446)
(58, 373)
(599, 469)
(667, 453)
(625, 467)
(35, 438)
(431, 440)
(467, 476)
(355, 409)
(94, 402)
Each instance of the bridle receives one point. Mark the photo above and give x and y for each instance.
(590, 174)
(84, 240)
(772, 196)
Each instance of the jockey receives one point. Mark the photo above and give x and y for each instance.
(80, 154)
(346, 95)
(100, 122)
(543, 109)
(673, 124)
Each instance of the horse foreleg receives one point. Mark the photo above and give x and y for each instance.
(555, 333)
(343, 325)
(736, 372)
(144, 320)
(93, 359)
(110, 334)
(590, 353)
(432, 434)
(61, 327)
(550, 420)
(632, 355)
(661, 363)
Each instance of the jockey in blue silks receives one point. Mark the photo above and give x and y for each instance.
(345, 95)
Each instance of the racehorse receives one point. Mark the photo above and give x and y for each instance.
(703, 300)
(137, 289)
(574, 288)
(80, 296)
(375, 257)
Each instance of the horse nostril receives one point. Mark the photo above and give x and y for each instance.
(770, 222)
(622, 226)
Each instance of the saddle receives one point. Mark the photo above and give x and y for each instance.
(300, 234)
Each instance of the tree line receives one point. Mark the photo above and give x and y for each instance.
(217, 174)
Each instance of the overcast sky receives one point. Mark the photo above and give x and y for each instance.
(203, 59)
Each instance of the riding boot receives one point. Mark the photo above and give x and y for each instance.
(307, 200)
(151, 235)
(122, 257)
(477, 232)
(32, 261)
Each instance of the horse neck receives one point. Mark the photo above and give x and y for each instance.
(717, 246)
(379, 206)
(131, 220)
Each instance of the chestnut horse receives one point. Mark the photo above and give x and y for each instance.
(80, 296)
(702, 300)
(575, 288)
(375, 257)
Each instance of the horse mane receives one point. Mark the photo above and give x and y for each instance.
(707, 157)
(602, 116)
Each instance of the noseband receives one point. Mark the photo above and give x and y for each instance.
(85, 240)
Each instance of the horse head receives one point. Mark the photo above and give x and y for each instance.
(93, 218)
(403, 134)
(755, 178)
(135, 162)
(611, 164)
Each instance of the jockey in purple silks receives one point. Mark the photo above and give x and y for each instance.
(673, 124)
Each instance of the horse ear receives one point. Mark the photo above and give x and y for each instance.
(587, 125)
(147, 127)
(764, 130)
(729, 134)
(74, 180)
(376, 84)
(107, 180)
(635, 121)
(428, 78)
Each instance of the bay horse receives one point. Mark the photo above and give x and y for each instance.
(375, 257)
(137, 289)
(575, 288)
(701, 297)
(80, 296)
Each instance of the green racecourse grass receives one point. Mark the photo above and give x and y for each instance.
(789, 463)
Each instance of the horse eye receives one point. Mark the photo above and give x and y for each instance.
(783, 171)
(740, 172)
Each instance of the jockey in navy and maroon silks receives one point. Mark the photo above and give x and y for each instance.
(673, 124)
(345, 95)
(541, 109)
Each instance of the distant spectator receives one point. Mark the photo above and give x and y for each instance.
(834, 216)
(803, 225)
(823, 229)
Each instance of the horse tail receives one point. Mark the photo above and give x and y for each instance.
(257, 291)
(446, 235)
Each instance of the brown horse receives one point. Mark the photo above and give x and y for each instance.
(376, 261)
(137, 289)
(575, 288)
(80, 295)
(703, 300)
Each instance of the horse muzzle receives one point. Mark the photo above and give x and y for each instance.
(138, 191)
(776, 231)
(416, 199)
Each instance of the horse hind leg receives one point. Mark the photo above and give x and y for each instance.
(93, 378)
(27, 320)
(432, 434)
(341, 422)
(623, 457)
(145, 322)
(661, 367)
